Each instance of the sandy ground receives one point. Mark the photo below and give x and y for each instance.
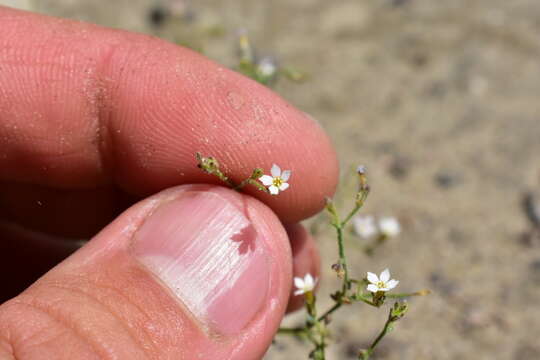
(440, 99)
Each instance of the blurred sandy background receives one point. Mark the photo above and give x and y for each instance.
(441, 100)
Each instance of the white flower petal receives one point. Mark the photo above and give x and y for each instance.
(273, 190)
(384, 288)
(267, 180)
(372, 278)
(283, 186)
(385, 275)
(275, 171)
(308, 281)
(285, 175)
(392, 284)
(364, 226)
(389, 226)
(266, 66)
(372, 288)
(299, 282)
(299, 292)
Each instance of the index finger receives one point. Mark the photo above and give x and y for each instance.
(83, 106)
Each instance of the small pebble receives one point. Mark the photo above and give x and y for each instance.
(441, 284)
(526, 352)
(447, 180)
(399, 168)
(534, 268)
(157, 16)
(531, 206)
(399, 2)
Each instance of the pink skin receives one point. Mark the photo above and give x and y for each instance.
(104, 288)
(132, 104)
(92, 120)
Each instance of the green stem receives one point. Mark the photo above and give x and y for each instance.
(257, 184)
(342, 260)
(292, 331)
(369, 302)
(227, 181)
(316, 330)
(352, 213)
(329, 311)
(241, 185)
(405, 295)
(384, 331)
(359, 203)
(249, 181)
(340, 225)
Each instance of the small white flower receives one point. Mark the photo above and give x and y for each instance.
(364, 226)
(304, 285)
(382, 282)
(267, 67)
(389, 226)
(361, 169)
(278, 181)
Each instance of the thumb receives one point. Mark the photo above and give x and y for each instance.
(194, 272)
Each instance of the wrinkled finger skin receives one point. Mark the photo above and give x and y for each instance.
(83, 106)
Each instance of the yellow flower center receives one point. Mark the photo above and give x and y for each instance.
(381, 284)
(277, 182)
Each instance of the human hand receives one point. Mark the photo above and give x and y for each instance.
(92, 120)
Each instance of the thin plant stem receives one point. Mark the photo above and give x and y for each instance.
(367, 301)
(383, 332)
(342, 260)
(359, 203)
(405, 295)
(292, 331)
(315, 327)
(351, 214)
(330, 311)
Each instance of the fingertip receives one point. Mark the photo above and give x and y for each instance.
(190, 104)
(133, 104)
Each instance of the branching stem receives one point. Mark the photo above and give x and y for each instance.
(367, 353)
(315, 327)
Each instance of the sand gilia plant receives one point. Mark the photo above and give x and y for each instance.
(263, 69)
(373, 290)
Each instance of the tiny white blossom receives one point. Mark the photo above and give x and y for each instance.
(267, 67)
(381, 282)
(304, 285)
(389, 226)
(364, 226)
(278, 181)
(361, 169)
